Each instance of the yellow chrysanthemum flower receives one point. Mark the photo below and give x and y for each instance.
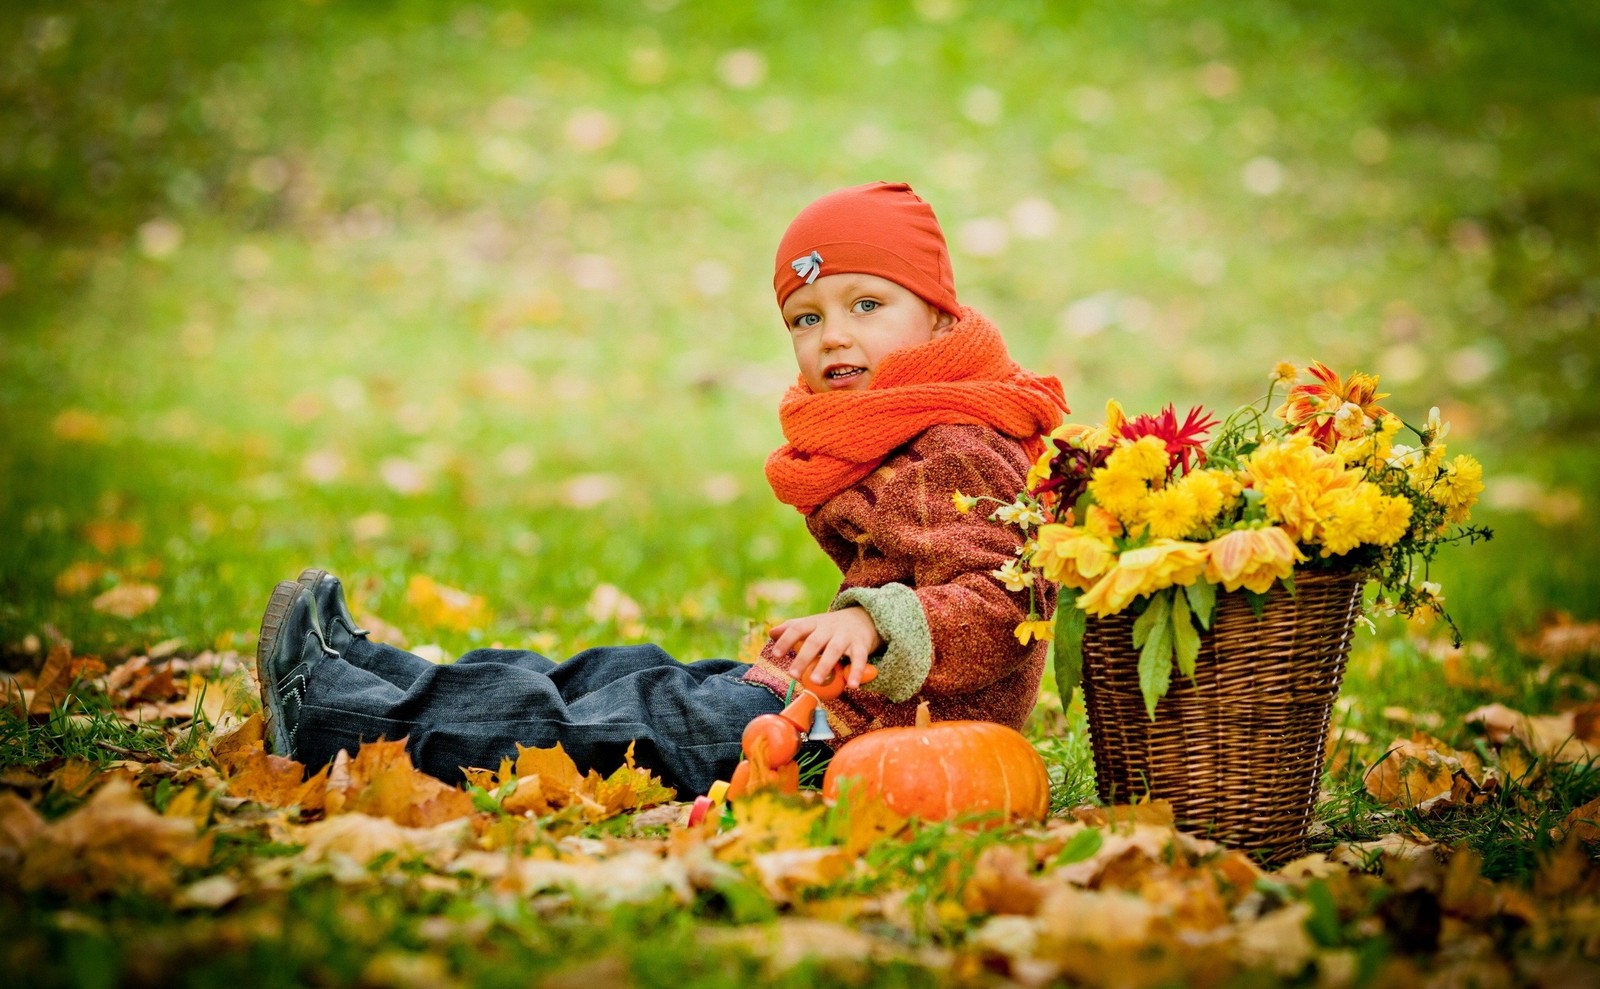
(964, 503)
(1300, 484)
(1119, 489)
(1458, 488)
(1145, 456)
(1350, 521)
(1163, 563)
(1392, 521)
(1251, 558)
(1212, 490)
(1285, 373)
(1171, 512)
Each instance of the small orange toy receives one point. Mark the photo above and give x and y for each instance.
(771, 741)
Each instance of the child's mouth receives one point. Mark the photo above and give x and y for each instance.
(842, 374)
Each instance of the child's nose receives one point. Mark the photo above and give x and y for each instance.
(835, 334)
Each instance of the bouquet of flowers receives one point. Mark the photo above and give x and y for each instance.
(1154, 513)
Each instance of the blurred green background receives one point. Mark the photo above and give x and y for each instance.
(483, 292)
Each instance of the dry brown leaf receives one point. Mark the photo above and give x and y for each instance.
(1583, 824)
(61, 671)
(363, 837)
(210, 893)
(793, 941)
(1498, 722)
(1002, 883)
(1278, 940)
(109, 535)
(1563, 640)
(232, 745)
(113, 843)
(786, 874)
(76, 777)
(79, 577)
(14, 699)
(1424, 773)
(441, 606)
(1070, 917)
(128, 599)
(1361, 854)
(137, 680)
(546, 781)
(1156, 812)
(1129, 848)
(270, 780)
(19, 822)
(381, 781)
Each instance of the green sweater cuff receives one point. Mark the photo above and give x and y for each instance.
(908, 644)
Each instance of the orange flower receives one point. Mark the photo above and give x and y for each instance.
(1251, 558)
(1310, 408)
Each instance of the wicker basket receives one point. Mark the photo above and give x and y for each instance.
(1239, 750)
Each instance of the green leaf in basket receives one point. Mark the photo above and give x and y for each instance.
(1081, 846)
(1071, 622)
(1155, 659)
(1202, 595)
(1288, 584)
(1185, 639)
(1146, 622)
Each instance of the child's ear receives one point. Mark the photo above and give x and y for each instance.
(943, 324)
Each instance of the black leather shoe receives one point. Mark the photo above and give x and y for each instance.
(339, 626)
(288, 649)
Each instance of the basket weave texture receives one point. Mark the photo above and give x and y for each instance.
(1238, 751)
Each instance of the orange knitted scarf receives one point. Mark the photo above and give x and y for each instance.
(965, 376)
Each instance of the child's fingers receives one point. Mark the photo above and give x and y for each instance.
(808, 650)
(791, 637)
(858, 664)
(778, 629)
(829, 659)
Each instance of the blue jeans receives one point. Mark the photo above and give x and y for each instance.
(684, 719)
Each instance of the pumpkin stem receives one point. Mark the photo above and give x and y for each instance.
(923, 718)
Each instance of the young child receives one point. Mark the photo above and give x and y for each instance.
(904, 397)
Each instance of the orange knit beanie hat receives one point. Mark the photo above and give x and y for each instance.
(882, 229)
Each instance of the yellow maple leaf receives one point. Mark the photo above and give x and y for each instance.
(769, 821)
(440, 606)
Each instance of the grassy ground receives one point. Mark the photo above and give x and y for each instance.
(478, 294)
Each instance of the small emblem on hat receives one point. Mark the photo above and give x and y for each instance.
(808, 267)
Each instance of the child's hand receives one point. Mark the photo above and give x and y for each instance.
(831, 636)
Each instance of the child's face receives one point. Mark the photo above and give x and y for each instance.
(843, 326)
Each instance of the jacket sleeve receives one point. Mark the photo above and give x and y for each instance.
(953, 631)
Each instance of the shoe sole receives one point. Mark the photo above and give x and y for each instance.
(277, 607)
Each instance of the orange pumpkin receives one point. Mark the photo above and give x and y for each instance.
(939, 771)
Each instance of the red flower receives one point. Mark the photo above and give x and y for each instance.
(1183, 442)
(1310, 408)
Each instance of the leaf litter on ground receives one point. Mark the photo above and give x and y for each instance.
(1093, 889)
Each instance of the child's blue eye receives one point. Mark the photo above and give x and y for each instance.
(867, 305)
(807, 319)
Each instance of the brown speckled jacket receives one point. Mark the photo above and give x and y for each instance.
(922, 570)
